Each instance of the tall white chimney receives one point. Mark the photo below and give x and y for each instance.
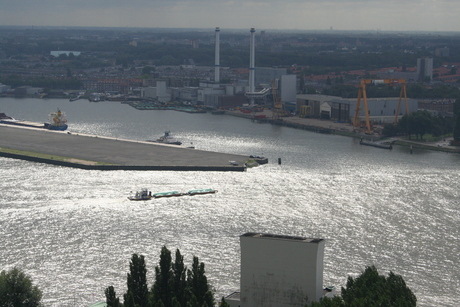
(217, 58)
(251, 64)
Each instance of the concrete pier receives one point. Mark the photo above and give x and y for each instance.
(103, 153)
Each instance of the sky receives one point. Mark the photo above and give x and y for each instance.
(383, 15)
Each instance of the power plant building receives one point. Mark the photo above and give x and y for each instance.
(279, 271)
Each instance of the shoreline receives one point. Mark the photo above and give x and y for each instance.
(343, 129)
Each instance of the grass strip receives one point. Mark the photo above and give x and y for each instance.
(49, 157)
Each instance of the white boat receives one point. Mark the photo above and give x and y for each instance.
(167, 138)
(143, 194)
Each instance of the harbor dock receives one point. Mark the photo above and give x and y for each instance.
(105, 153)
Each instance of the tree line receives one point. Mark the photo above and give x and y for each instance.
(174, 285)
(177, 286)
(371, 289)
(420, 123)
(44, 82)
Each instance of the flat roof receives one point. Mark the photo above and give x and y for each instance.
(273, 236)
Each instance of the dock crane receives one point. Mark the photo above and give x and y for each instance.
(278, 108)
(362, 95)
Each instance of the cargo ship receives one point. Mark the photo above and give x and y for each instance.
(58, 121)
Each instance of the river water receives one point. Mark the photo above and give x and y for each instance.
(74, 231)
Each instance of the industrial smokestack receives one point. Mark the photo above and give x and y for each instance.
(217, 60)
(251, 64)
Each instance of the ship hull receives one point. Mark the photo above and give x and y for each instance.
(54, 127)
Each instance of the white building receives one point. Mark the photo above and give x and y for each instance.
(279, 271)
(288, 88)
(159, 92)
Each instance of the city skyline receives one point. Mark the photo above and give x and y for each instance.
(409, 15)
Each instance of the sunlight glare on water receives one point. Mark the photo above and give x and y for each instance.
(74, 231)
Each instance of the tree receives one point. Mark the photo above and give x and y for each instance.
(111, 298)
(179, 282)
(137, 283)
(418, 123)
(17, 290)
(174, 285)
(147, 70)
(422, 122)
(223, 303)
(390, 130)
(161, 289)
(372, 290)
(456, 131)
(198, 284)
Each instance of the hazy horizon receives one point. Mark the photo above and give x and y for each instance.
(302, 15)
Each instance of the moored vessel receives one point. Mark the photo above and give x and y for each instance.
(167, 138)
(58, 121)
(6, 118)
(378, 144)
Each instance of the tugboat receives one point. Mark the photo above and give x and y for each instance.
(58, 121)
(167, 138)
(143, 194)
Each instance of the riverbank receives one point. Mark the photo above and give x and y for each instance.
(339, 128)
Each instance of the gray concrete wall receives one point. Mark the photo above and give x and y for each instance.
(278, 271)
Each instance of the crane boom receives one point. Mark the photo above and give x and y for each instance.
(362, 95)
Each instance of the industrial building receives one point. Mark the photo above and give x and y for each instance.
(256, 89)
(157, 92)
(382, 110)
(279, 271)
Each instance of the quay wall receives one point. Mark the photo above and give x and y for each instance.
(103, 153)
(102, 167)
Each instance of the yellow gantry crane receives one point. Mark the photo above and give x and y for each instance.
(278, 109)
(362, 95)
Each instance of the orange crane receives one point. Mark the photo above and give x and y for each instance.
(362, 95)
(278, 109)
